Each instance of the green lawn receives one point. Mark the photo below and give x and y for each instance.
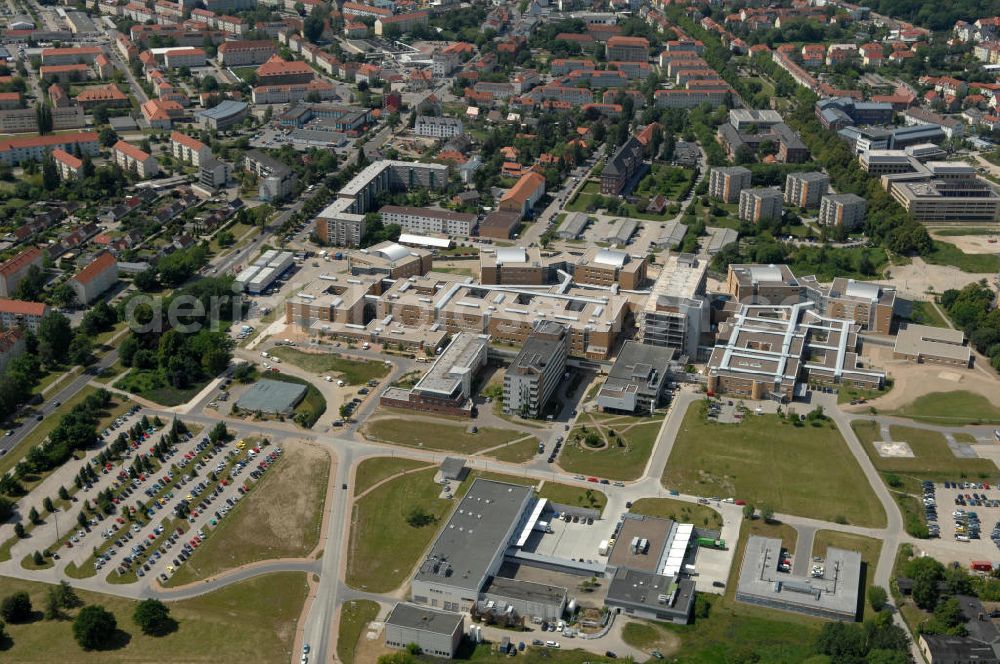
(932, 459)
(444, 437)
(925, 313)
(769, 462)
(564, 494)
(679, 510)
(848, 393)
(954, 408)
(354, 616)
(623, 455)
(152, 385)
(250, 621)
(384, 548)
(945, 253)
(520, 452)
(279, 518)
(372, 471)
(353, 372)
(869, 547)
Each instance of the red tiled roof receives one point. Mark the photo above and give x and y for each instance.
(96, 268)
(130, 150)
(18, 262)
(187, 141)
(61, 155)
(276, 66)
(109, 92)
(50, 139)
(525, 187)
(22, 307)
(618, 40)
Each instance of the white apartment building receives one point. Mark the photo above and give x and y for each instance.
(426, 220)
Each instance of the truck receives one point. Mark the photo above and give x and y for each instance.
(604, 548)
(709, 543)
(981, 566)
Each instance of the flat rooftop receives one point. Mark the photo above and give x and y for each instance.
(833, 595)
(524, 590)
(425, 619)
(652, 591)
(479, 527)
(646, 558)
(682, 276)
(272, 396)
(932, 341)
(445, 377)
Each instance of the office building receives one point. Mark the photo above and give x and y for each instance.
(15, 269)
(428, 220)
(847, 210)
(804, 190)
(514, 266)
(92, 281)
(608, 267)
(760, 204)
(763, 284)
(870, 305)
(536, 372)
(438, 127)
(839, 112)
(436, 633)
(726, 182)
(637, 381)
(744, 119)
(940, 345)
(945, 192)
(21, 313)
(833, 595)
(390, 259)
(676, 313)
(275, 181)
(447, 387)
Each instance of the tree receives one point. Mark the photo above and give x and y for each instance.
(33, 514)
(16, 608)
(52, 610)
(418, 517)
(48, 505)
(50, 175)
(767, 513)
(54, 337)
(68, 599)
(94, 627)
(345, 412)
(19, 529)
(107, 137)
(37, 558)
(153, 617)
(877, 597)
(63, 295)
(748, 511)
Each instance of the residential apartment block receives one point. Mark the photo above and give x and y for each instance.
(804, 190)
(92, 281)
(726, 182)
(275, 180)
(188, 149)
(627, 49)
(623, 167)
(438, 127)
(14, 151)
(19, 313)
(133, 160)
(246, 52)
(847, 210)
(15, 269)
(760, 204)
(427, 220)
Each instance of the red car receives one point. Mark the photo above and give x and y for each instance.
(593, 479)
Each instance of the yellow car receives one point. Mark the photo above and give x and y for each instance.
(240, 445)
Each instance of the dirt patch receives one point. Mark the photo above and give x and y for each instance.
(911, 381)
(972, 244)
(369, 650)
(918, 278)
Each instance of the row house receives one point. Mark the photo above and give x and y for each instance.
(563, 66)
(633, 70)
(244, 53)
(551, 92)
(596, 78)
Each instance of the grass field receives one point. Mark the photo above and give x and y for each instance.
(798, 470)
(924, 313)
(624, 454)
(958, 408)
(372, 471)
(678, 510)
(847, 393)
(354, 615)
(251, 621)
(38, 435)
(279, 518)
(353, 372)
(869, 547)
(564, 494)
(151, 385)
(519, 452)
(932, 459)
(384, 547)
(444, 437)
(945, 253)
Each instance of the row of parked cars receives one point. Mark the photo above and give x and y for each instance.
(967, 526)
(930, 509)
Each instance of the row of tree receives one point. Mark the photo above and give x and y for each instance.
(973, 309)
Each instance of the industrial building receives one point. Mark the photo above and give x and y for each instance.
(834, 595)
(573, 226)
(436, 633)
(726, 182)
(776, 352)
(535, 374)
(447, 387)
(804, 190)
(676, 313)
(258, 277)
(637, 381)
(845, 210)
(940, 345)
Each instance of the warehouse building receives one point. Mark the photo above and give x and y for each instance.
(436, 633)
(637, 381)
(527, 598)
(264, 271)
(573, 226)
(272, 396)
(834, 595)
(535, 374)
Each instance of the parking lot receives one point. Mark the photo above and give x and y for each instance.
(574, 539)
(966, 510)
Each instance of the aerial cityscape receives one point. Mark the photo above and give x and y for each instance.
(404, 331)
